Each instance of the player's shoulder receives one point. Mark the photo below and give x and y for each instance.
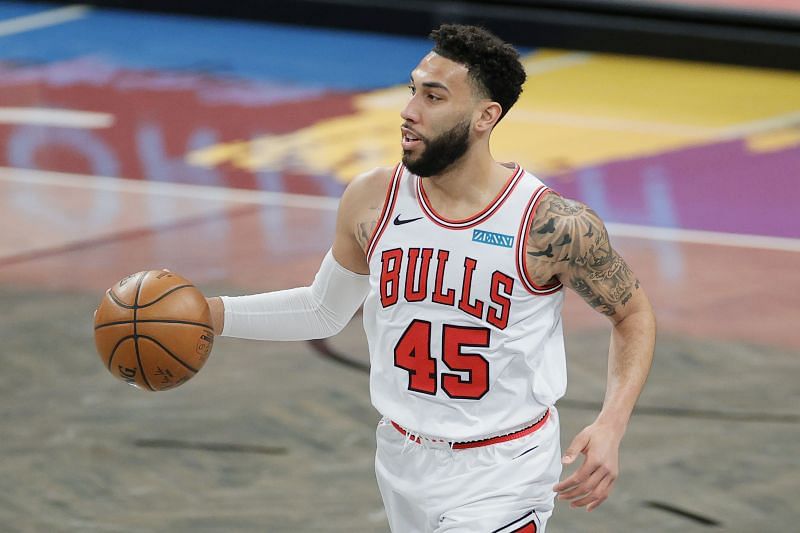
(376, 179)
(359, 210)
(561, 227)
(554, 204)
(368, 187)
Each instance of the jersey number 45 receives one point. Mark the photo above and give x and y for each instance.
(413, 353)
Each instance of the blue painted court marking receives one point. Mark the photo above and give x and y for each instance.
(324, 58)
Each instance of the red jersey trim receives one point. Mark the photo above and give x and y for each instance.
(386, 213)
(524, 229)
(476, 219)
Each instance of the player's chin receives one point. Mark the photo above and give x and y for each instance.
(412, 155)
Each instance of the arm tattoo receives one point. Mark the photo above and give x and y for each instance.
(569, 241)
(365, 228)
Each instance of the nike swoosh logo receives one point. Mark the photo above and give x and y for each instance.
(526, 451)
(398, 222)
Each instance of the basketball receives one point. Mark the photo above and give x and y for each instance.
(153, 330)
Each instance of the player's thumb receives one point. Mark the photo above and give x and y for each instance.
(576, 446)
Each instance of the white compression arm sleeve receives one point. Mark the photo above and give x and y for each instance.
(304, 313)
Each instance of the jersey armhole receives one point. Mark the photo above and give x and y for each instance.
(386, 212)
(524, 229)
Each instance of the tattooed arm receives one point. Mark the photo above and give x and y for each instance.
(357, 217)
(569, 242)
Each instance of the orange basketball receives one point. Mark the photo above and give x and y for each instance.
(153, 330)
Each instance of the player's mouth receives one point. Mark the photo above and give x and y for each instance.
(410, 139)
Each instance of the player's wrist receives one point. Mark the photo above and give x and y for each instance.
(217, 307)
(616, 420)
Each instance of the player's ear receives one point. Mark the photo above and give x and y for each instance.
(489, 114)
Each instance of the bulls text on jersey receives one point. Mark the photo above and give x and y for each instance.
(415, 285)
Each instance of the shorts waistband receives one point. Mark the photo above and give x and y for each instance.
(483, 442)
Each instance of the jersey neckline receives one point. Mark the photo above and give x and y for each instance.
(477, 218)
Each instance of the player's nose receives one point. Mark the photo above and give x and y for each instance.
(409, 112)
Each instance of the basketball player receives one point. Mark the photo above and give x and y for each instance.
(460, 262)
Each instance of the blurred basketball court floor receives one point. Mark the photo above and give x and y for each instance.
(218, 149)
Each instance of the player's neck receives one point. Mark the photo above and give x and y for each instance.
(470, 183)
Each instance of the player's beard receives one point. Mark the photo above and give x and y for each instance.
(440, 152)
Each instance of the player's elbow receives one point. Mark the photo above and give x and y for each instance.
(331, 322)
(637, 309)
(639, 319)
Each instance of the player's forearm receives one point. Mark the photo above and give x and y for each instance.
(302, 313)
(629, 360)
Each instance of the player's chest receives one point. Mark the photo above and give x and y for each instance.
(471, 272)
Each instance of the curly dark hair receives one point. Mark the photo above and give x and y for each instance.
(493, 64)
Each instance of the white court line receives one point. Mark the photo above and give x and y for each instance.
(64, 118)
(760, 126)
(42, 20)
(160, 188)
(739, 240)
(204, 192)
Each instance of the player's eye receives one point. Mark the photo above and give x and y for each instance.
(412, 89)
(433, 98)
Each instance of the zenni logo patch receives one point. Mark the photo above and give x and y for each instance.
(495, 239)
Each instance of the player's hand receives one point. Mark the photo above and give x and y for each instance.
(592, 482)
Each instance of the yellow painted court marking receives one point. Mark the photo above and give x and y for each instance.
(576, 110)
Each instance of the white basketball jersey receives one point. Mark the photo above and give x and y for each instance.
(462, 344)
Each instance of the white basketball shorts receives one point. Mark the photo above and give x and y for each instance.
(429, 486)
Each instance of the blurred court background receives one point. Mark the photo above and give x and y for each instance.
(214, 139)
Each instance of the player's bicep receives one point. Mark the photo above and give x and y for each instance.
(596, 271)
(357, 218)
(346, 248)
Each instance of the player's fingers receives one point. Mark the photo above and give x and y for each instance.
(577, 445)
(584, 500)
(585, 487)
(577, 477)
(597, 496)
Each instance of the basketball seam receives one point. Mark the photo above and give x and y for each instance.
(153, 321)
(114, 350)
(178, 359)
(165, 295)
(136, 304)
(117, 300)
(136, 333)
